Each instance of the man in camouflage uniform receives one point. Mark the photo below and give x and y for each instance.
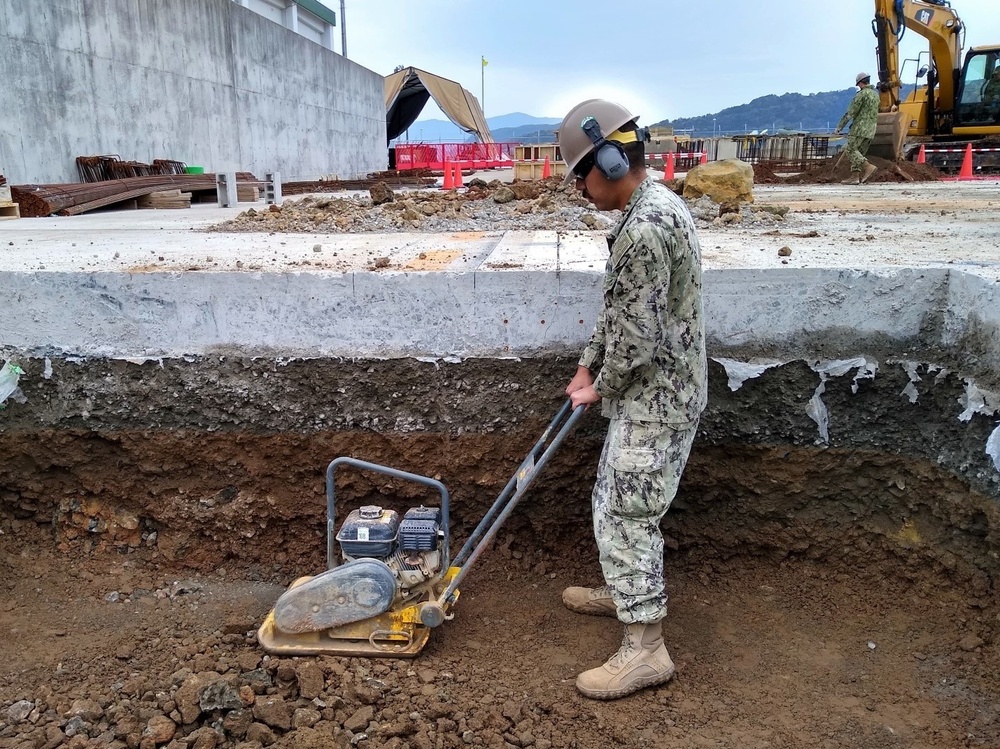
(646, 364)
(863, 115)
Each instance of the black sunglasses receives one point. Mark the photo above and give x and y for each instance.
(583, 167)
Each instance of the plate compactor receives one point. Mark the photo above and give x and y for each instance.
(394, 580)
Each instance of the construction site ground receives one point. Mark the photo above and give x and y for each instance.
(892, 224)
(774, 651)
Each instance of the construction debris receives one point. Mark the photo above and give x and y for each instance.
(485, 206)
(539, 205)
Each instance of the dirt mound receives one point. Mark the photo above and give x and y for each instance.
(490, 206)
(837, 168)
(764, 175)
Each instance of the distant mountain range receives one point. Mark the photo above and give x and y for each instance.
(516, 127)
(797, 112)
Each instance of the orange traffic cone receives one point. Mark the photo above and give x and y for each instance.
(458, 174)
(966, 172)
(704, 157)
(449, 177)
(668, 166)
(921, 155)
(546, 169)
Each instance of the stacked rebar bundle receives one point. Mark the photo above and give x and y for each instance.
(103, 168)
(80, 197)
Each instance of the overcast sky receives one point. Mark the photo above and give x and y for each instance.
(660, 59)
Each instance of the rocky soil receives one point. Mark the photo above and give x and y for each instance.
(483, 206)
(125, 652)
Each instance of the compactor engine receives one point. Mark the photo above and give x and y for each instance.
(409, 547)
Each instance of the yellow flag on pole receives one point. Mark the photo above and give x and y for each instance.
(485, 62)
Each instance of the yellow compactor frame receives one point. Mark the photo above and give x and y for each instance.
(402, 630)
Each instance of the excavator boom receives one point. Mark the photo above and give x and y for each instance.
(929, 109)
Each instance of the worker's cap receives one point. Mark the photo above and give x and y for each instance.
(862, 77)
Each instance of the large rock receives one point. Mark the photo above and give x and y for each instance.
(188, 695)
(219, 695)
(160, 729)
(310, 678)
(725, 181)
(273, 711)
(89, 710)
(20, 711)
(380, 193)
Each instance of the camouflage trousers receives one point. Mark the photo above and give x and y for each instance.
(857, 151)
(637, 478)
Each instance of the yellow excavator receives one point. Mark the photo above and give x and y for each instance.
(960, 102)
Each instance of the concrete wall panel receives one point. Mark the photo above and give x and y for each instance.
(206, 82)
(972, 323)
(829, 307)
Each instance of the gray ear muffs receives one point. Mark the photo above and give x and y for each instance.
(609, 157)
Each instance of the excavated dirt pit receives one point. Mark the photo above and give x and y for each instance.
(821, 596)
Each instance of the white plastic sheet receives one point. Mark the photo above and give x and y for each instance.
(9, 376)
(741, 371)
(993, 447)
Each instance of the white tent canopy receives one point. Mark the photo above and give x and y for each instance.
(407, 92)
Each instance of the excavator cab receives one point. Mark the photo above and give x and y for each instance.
(977, 107)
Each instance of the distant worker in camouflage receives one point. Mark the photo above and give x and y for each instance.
(863, 116)
(645, 363)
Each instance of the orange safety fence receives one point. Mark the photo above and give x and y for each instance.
(468, 155)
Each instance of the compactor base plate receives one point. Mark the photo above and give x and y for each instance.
(398, 633)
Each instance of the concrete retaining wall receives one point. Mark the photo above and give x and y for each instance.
(485, 312)
(206, 82)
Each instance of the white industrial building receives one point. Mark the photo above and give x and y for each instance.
(227, 85)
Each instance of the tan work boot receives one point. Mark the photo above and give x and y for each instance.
(640, 662)
(593, 601)
(854, 179)
(869, 170)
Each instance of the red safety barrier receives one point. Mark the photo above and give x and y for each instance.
(469, 155)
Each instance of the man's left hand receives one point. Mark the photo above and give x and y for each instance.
(584, 396)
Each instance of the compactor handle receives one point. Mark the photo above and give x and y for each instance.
(395, 473)
(544, 448)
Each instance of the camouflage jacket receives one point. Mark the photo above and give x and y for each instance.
(648, 347)
(863, 113)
